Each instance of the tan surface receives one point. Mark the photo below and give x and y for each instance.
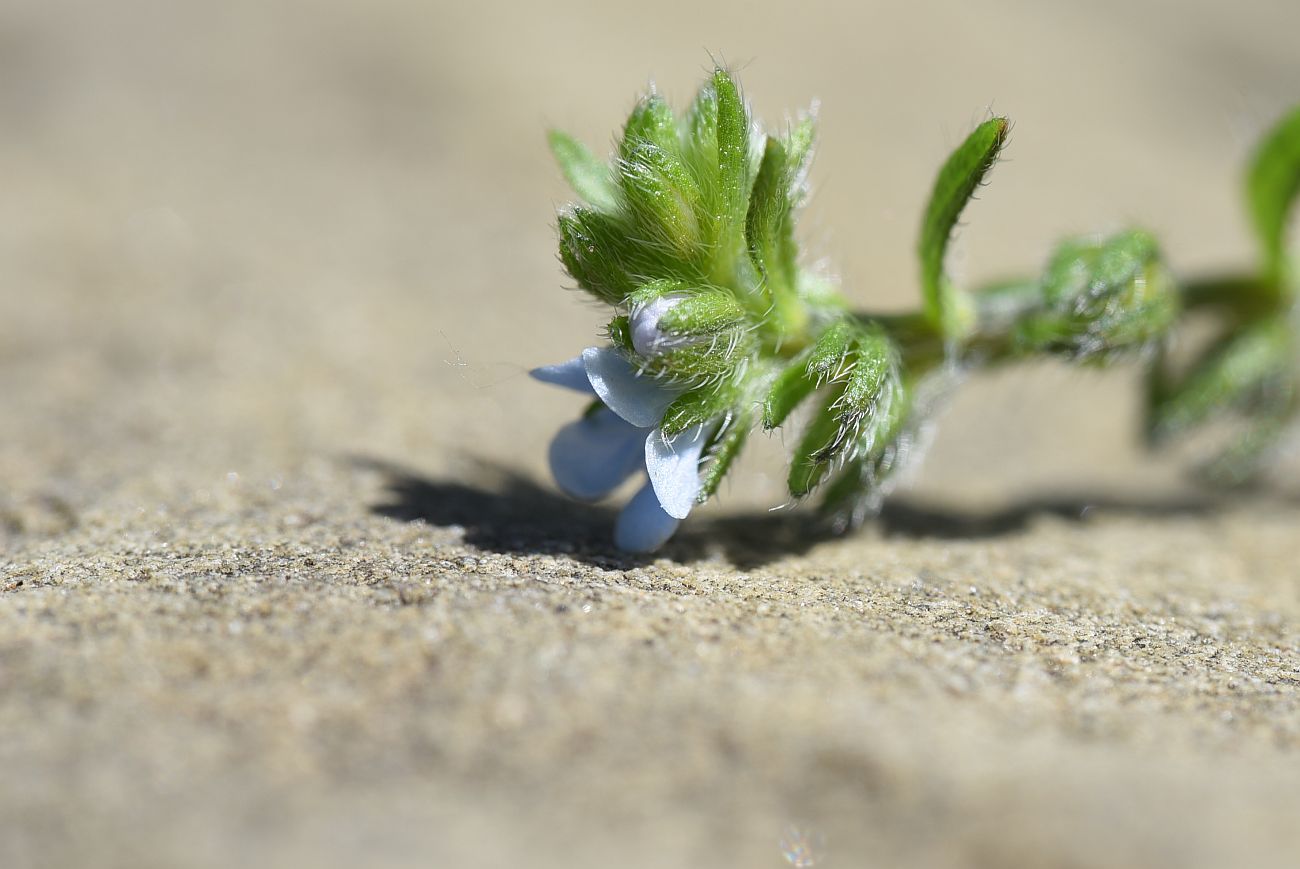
(281, 582)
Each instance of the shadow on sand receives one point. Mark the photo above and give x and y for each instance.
(505, 511)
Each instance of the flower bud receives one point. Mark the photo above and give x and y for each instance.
(649, 338)
(1102, 298)
(691, 335)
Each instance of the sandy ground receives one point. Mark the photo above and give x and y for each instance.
(282, 581)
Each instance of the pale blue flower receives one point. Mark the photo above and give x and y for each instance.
(591, 456)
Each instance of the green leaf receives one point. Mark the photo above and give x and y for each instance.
(663, 198)
(733, 149)
(620, 334)
(651, 122)
(769, 228)
(699, 140)
(704, 312)
(875, 365)
(1272, 183)
(1228, 375)
(696, 407)
(722, 453)
(816, 450)
(787, 392)
(860, 488)
(596, 252)
(826, 361)
(588, 176)
(700, 364)
(766, 226)
(799, 151)
(964, 170)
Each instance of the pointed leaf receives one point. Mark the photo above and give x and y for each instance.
(766, 224)
(726, 447)
(799, 151)
(588, 176)
(873, 369)
(696, 407)
(957, 181)
(816, 450)
(733, 149)
(704, 312)
(699, 139)
(787, 392)
(1272, 183)
(826, 361)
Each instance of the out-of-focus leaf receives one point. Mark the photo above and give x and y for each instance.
(589, 177)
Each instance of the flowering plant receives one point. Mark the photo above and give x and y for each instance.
(719, 328)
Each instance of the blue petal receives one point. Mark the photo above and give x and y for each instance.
(639, 400)
(591, 456)
(674, 468)
(643, 526)
(570, 375)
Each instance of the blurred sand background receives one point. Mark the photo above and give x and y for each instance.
(282, 578)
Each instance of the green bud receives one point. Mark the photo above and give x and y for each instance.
(687, 334)
(1101, 299)
(705, 312)
(667, 314)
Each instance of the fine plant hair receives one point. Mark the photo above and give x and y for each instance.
(699, 208)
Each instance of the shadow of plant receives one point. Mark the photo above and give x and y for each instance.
(505, 511)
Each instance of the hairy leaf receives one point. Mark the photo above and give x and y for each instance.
(816, 450)
(663, 198)
(651, 122)
(696, 407)
(589, 177)
(963, 172)
(733, 150)
(722, 453)
(787, 391)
